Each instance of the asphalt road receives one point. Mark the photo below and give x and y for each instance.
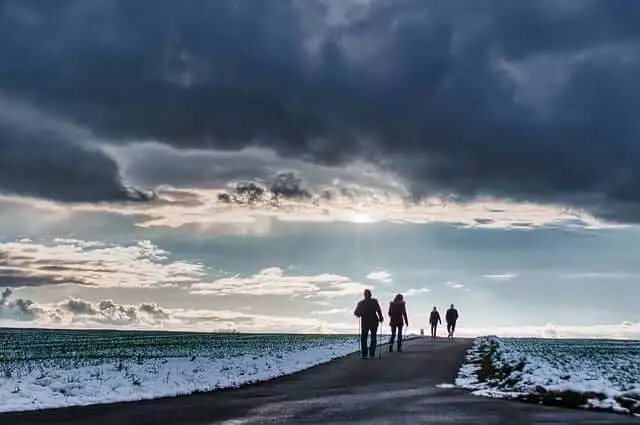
(398, 389)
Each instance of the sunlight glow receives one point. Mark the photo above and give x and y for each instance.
(362, 218)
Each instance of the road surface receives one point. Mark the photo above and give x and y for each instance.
(398, 389)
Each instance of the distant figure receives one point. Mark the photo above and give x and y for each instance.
(370, 314)
(397, 317)
(451, 317)
(434, 320)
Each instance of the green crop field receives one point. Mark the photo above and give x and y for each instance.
(29, 345)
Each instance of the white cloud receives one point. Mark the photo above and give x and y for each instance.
(273, 281)
(142, 264)
(415, 291)
(78, 313)
(501, 277)
(210, 319)
(454, 285)
(328, 312)
(25, 263)
(383, 276)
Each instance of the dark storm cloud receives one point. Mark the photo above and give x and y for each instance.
(524, 100)
(290, 185)
(284, 185)
(45, 157)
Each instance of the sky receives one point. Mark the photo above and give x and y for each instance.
(255, 165)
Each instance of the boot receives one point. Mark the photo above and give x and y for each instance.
(390, 348)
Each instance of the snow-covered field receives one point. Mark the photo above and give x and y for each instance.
(45, 368)
(592, 374)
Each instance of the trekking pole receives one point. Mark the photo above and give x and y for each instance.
(359, 336)
(380, 344)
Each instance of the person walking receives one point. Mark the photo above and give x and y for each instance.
(434, 321)
(397, 318)
(451, 317)
(370, 314)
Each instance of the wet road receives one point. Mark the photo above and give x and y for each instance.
(398, 389)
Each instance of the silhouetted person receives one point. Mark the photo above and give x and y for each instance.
(434, 320)
(370, 314)
(451, 317)
(397, 317)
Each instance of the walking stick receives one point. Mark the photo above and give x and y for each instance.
(359, 337)
(380, 345)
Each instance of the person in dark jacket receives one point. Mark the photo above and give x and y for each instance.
(397, 318)
(451, 317)
(370, 314)
(434, 321)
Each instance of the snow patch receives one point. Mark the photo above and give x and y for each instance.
(61, 382)
(592, 374)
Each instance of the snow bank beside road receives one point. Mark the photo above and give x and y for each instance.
(593, 374)
(70, 382)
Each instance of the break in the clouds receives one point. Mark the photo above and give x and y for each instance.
(528, 101)
(252, 207)
(66, 261)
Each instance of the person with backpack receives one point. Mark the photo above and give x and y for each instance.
(451, 317)
(370, 314)
(434, 321)
(397, 318)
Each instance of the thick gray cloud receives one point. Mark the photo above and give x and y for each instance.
(110, 313)
(523, 100)
(77, 306)
(78, 310)
(82, 313)
(19, 309)
(4, 297)
(50, 158)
